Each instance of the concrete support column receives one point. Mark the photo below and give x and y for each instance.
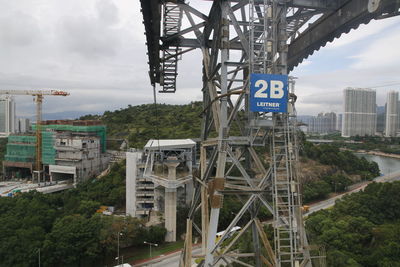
(131, 179)
(170, 204)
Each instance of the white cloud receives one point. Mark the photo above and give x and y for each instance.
(94, 46)
(382, 52)
(362, 32)
(95, 49)
(373, 62)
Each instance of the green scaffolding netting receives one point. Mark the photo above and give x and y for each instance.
(22, 139)
(100, 131)
(48, 150)
(21, 148)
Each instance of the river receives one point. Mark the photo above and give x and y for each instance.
(386, 165)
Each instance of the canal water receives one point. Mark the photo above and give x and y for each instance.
(386, 165)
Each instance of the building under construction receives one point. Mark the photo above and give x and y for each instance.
(71, 150)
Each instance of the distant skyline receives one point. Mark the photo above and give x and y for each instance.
(95, 49)
(340, 111)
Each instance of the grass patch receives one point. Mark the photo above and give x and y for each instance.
(135, 254)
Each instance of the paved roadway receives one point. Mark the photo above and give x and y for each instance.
(173, 259)
(324, 204)
(8, 186)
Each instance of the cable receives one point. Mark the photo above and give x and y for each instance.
(383, 85)
(156, 116)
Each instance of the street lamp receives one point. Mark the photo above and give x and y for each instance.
(117, 259)
(150, 245)
(119, 234)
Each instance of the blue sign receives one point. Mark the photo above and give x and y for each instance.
(268, 92)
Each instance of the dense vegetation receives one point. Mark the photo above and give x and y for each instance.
(138, 124)
(383, 144)
(3, 143)
(66, 228)
(379, 143)
(69, 232)
(345, 163)
(363, 229)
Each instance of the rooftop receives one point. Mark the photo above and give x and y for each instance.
(153, 144)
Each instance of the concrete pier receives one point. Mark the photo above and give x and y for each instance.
(170, 204)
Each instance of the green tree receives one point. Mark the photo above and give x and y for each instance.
(73, 241)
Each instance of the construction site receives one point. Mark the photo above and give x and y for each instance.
(71, 150)
(55, 151)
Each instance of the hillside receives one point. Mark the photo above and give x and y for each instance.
(323, 169)
(55, 222)
(362, 229)
(140, 123)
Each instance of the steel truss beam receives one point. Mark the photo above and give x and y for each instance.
(304, 39)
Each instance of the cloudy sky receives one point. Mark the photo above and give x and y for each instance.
(95, 49)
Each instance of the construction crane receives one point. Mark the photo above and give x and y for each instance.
(38, 94)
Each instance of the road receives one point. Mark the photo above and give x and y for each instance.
(171, 260)
(324, 204)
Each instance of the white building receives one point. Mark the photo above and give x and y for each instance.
(339, 121)
(7, 115)
(136, 200)
(391, 114)
(23, 126)
(77, 157)
(359, 117)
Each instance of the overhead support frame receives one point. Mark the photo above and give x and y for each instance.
(237, 38)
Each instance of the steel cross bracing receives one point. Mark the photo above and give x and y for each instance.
(262, 34)
(237, 38)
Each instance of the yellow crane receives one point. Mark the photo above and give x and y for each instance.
(38, 94)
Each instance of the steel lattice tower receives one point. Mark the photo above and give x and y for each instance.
(238, 38)
(264, 51)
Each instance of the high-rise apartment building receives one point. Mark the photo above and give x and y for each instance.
(398, 116)
(391, 113)
(380, 118)
(322, 124)
(23, 125)
(339, 120)
(359, 117)
(7, 115)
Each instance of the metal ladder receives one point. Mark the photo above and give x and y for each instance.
(258, 39)
(285, 195)
(171, 25)
(259, 47)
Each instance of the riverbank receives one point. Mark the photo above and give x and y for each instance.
(378, 153)
(373, 152)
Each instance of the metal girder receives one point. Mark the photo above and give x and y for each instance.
(340, 16)
(151, 10)
(317, 4)
(320, 4)
(333, 24)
